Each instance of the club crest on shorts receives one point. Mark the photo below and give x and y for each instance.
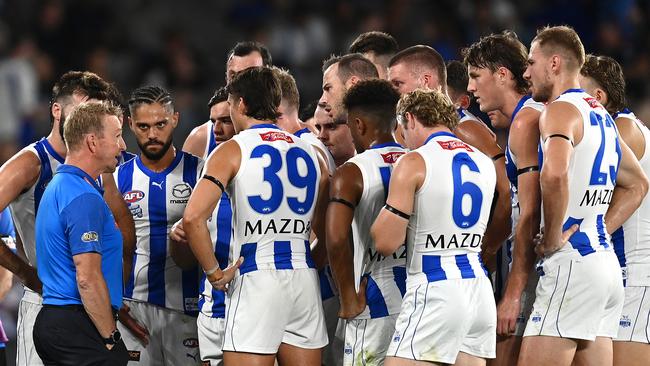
(397, 337)
(625, 322)
(536, 317)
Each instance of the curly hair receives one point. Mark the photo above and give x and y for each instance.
(430, 107)
(608, 74)
(375, 98)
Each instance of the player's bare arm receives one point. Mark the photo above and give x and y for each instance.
(124, 221)
(195, 142)
(631, 188)
(524, 138)
(478, 135)
(17, 175)
(560, 126)
(632, 135)
(94, 293)
(319, 252)
(221, 166)
(345, 192)
(389, 229)
(179, 249)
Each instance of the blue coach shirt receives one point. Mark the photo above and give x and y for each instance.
(72, 219)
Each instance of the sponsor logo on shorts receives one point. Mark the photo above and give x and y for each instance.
(89, 236)
(276, 136)
(133, 196)
(347, 350)
(397, 337)
(537, 317)
(191, 342)
(134, 355)
(625, 322)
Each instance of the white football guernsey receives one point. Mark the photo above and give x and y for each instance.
(311, 138)
(386, 275)
(451, 211)
(632, 240)
(157, 200)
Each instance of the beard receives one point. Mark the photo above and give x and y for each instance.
(157, 155)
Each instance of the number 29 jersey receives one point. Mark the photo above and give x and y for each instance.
(273, 196)
(451, 211)
(592, 176)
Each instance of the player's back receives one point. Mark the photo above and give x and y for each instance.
(386, 275)
(25, 206)
(451, 211)
(632, 240)
(592, 176)
(273, 196)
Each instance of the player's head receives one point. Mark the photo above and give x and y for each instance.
(339, 74)
(417, 67)
(556, 52)
(75, 87)
(378, 47)
(371, 111)
(334, 135)
(496, 65)
(290, 103)
(152, 120)
(223, 129)
(602, 77)
(254, 94)
(96, 128)
(457, 84)
(422, 109)
(244, 55)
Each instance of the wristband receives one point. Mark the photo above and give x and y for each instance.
(212, 271)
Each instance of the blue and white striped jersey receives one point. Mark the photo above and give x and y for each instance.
(311, 138)
(632, 240)
(451, 211)
(157, 200)
(25, 206)
(386, 275)
(592, 176)
(273, 196)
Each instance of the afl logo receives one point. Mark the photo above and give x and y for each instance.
(133, 196)
(191, 342)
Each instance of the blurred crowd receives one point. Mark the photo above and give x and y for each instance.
(182, 45)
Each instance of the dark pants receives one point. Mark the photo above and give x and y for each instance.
(65, 335)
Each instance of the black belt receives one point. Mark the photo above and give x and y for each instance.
(77, 307)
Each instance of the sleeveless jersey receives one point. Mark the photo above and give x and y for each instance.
(273, 197)
(311, 138)
(212, 303)
(451, 211)
(466, 115)
(632, 240)
(386, 275)
(25, 206)
(157, 200)
(592, 176)
(210, 143)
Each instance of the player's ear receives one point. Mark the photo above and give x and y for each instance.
(555, 62)
(601, 96)
(241, 106)
(175, 118)
(503, 74)
(464, 101)
(57, 110)
(361, 126)
(351, 81)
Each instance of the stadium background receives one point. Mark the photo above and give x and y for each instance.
(182, 45)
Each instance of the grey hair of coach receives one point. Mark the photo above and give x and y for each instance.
(87, 118)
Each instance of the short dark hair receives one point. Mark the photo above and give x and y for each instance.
(220, 96)
(308, 110)
(149, 95)
(86, 83)
(378, 42)
(247, 47)
(423, 56)
(260, 90)
(457, 77)
(608, 74)
(375, 98)
(565, 38)
(353, 64)
(500, 50)
(289, 88)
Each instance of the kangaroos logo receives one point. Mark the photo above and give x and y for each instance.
(391, 157)
(133, 196)
(276, 136)
(453, 145)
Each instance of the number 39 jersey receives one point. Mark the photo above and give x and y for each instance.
(592, 176)
(273, 196)
(451, 211)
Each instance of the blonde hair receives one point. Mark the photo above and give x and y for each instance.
(85, 119)
(430, 107)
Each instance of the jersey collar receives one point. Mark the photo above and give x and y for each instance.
(74, 170)
(518, 107)
(265, 125)
(437, 134)
(387, 144)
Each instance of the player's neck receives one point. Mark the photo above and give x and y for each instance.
(380, 139)
(511, 100)
(250, 122)
(290, 125)
(563, 83)
(54, 138)
(160, 164)
(84, 161)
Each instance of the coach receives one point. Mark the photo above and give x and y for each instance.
(79, 248)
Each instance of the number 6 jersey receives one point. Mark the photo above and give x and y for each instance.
(273, 196)
(451, 211)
